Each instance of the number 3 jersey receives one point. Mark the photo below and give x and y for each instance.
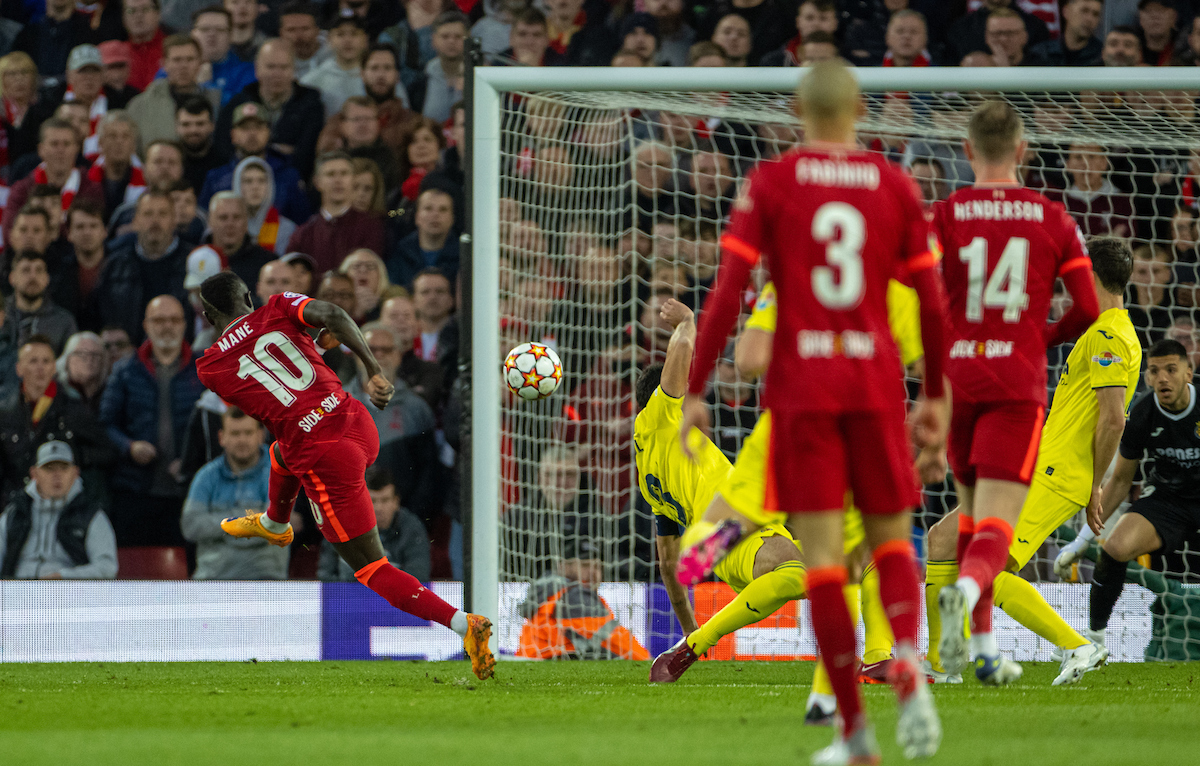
(1002, 250)
(267, 365)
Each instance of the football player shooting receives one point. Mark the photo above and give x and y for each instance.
(265, 363)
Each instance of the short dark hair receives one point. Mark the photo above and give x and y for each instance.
(647, 382)
(55, 123)
(38, 339)
(531, 17)
(223, 292)
(378, 477)
(234, 413)
(374, 48)
(37, 211)
(1112, 262)
(451, 17)
(151, 194)
(44, 191)
(87, 206)
(196, 105)
(1123, 29)
(178, 41)
(1168, 347)
(26, 255)
(820, 5)
(333, 156)
(301, 8)
(431, 271)
(212, 9)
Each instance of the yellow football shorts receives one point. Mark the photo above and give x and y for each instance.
(737, 568)
(1043, 512)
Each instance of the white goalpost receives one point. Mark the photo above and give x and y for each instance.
(596, 192)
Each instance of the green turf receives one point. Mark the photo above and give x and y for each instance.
(557, 713)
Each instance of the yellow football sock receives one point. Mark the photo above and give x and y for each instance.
(761, 598)
(1024, 604)
(821, 683)
(937, 575)
(878, 643)
(699, 530)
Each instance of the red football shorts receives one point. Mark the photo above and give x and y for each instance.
(994, 440)
(336, 486)
(815, 458)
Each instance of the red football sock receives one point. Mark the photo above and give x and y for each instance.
(899, 589)
(987, 554)
(981, 615)
(836, 640)
(405, 592)
(281, 492)
(966, 530)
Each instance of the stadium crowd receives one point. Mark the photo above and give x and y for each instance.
(146, 145)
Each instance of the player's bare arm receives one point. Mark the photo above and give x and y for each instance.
(1114, 492)
(336, 321)
(752, 355)
(1110, 424)
(668, 561)
(679, 348)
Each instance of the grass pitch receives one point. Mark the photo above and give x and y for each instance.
(303, 714)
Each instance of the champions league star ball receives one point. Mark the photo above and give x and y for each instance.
(532, 371)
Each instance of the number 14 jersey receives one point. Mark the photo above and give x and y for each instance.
(1003, 248)
(267, 365)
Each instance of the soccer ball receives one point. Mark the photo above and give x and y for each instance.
(532, 371)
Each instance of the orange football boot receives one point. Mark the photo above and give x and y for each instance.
(250, 525)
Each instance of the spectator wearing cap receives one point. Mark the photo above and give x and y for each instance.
(811, 16)
(340, 76)
(84, 86)
(293, 112)
(639, 34)
(675, 37)
(155, 108)
(148, 262)
(254, 182)
(337, 229)
(146, 407)
(405, 541)
(195, 126)
(969, 33)
(76, 273)
(221, 70)
(40, 410)
(1158, 31)
(52, 530)
(228, 218)
(115, 56)
(1078, 44)
(444, 73)
(49, 40)
(31, 309)
(117, 170)
(432, 245)
(300, 25)
(231, 484)
(304, 271)
(202, 263)
(144, 30)
(582, 39)
(251, 137)
(245, 37)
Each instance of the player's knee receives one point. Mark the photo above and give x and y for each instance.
(1121, 548)
(774, 551)
(942, 538)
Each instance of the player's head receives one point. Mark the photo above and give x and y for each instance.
(647, 381)
(1168, 372)
(994, 134)
(828, 101)
(1112, 263)
(225, 297)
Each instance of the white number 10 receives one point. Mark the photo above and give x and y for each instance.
(267, 370)
(1006, 288)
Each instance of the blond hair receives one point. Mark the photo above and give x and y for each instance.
(994, 131)
(827, 93)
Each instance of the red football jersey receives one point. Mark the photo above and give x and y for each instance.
(1003, 247)
(834, 226)
(268, 366)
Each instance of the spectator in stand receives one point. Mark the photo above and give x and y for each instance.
(49, 40)
(245, 38)
(969, 33)
(18, 87)
(228, 219)
(8, 354)
(1189, 57)
(251, 136)
(1078, 44)
(732, 36)
(931, 179)
(1091, 199)
(704, 54)
(338, 229)
(254, 181)
(231, 484)
(494, 27)
(115, 170)
(438, 339)
(83, 369)
(294, 112)
(58, 146)
(769, 23)
(529, 41)
(735, 403)
(146, 35)
(33, 230)
(163, 170)
(304, 272)
(709, 187)
(221, 69)
(375, 15)
(116, 56)
(31, 309)
(419, 155)
(675, 37)
(76, 275)
(152, 261)
(341, 76)
(444, 73)
(369, 187)
(1006, 37)
(1148, 297)
(117, 344)
(404, 539)
(1183, 331)
(1157, 31)
(146, 409)
(628, 58)
(357, 130)
(906, 40)
(424, 378)
(653, 174)
(155, 108)
(197, 139)
(299, 25)
(40, 410)
(639, 35)
(433, 244)
(371, 285)
(812, 16)
(381, 84)
(1122, 47)
(275, 278)
(582, 39)
(53, 530)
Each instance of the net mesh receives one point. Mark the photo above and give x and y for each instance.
(612, 201)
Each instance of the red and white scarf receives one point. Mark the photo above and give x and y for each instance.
(137, 181)
(69, 189)
(91, 145)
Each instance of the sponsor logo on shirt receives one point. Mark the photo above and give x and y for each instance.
(826, 344)
(318, 413)
(1107, 359)
(981, 349)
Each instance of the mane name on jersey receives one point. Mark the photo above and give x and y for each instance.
(999, 210)
(234, 336)
(850, 175)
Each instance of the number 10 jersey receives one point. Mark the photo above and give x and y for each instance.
(267, 365)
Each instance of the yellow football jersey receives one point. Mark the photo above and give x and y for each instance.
(904, 317)
(1107, 355)
(672, 484)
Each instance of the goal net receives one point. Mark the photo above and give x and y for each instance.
(600, 193)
